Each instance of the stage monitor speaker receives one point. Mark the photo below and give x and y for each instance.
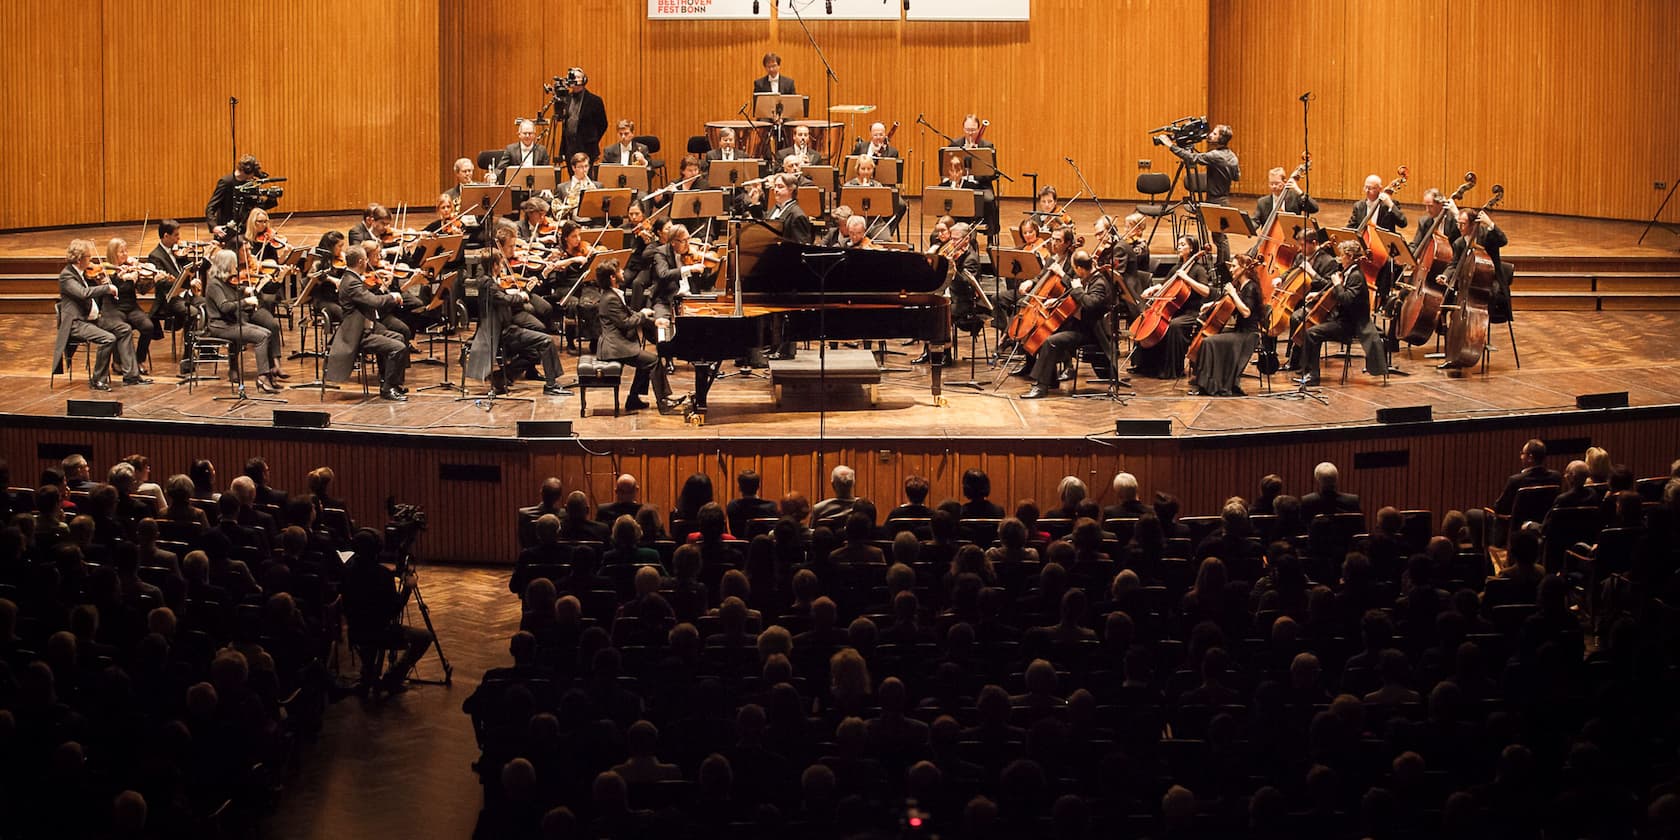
(93, 408)
(1150, 427)
(296, 419)
(1614, 399)
(545, 428)
(1406, 414)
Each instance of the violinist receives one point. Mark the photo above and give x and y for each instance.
(232, 308)
(673, 277)
(1352, 318)
(959, 248)
(622, 330)
(87, 313)
(324, 267)
(641, 236)
(865, 177)
(836, 235)
(166, 259)
(503, 324)
(132, 279)
(535, 227)
(1031, 238)
(375, 225)
(1282, 187)
(1165, 360)
(626, 152)
(263, 243)
(571, 192)
(940, 234)
(564, 280)
(1094, 294)
(1390, 217)
(381, 277)
(856, 235)
(1047, 209)
(1222, 358)
(520, 271)
(363, 331)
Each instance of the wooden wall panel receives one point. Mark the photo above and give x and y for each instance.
(50, 96)
(1530, 95)
(342, 99)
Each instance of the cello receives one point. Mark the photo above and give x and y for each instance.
(1290, 291)
(1273, 248)
(1216, 315)
(1046, 307)
(1420, 310)
(1151, 327)
(1473, 278)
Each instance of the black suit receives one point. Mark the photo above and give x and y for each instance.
(1328, 504)
(795, 224)
(1294, 203)
(88, 313)
(228, 205)
(784, 85)
(741, 512)
(1531, 477)
(1352, 321)
(621, 331)
(1087, 326)
(1426, 227)
(614, 154)
(812, 156)
(863, 147)
(513, 156)
(583, 132)
(361, 331)
(162, 306)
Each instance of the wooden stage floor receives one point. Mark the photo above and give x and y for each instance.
(1563, 354)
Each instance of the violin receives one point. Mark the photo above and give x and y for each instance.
(273, 240)
(700, 255)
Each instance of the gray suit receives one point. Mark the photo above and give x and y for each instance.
(105, 330)
(621, 331)
(361, 330)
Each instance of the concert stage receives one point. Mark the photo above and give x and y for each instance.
(464, 462)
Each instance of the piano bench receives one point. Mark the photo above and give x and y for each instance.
(592, 373)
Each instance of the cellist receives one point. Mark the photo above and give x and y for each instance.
(1165, 360)
(1058, 262)
(1352, 319)
(1320, 266)
(1094, 293)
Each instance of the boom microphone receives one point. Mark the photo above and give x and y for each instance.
(755, 7)
(828, 7)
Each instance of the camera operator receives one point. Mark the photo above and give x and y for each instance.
(1218, 164)
(374, 595)
(236, 194)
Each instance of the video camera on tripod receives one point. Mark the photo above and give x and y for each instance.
(404, 527)
(1185, 131)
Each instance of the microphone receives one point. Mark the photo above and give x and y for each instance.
(1069, 160)
(1305, 97)
(755, 7)
(828, 7)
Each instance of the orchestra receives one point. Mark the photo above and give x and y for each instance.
(1199, 311)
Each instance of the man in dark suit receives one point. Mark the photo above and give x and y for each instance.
(1095, 296)
(361, 331)
(1390, 217)
(499, 324)
(1435, 216)
(1576, 493)
(375, 223)
(1352, 321)
(464, 170)
(773, 81)
(1534, 473)
(671, 278)
(785, 209)
(526, 152)
(163, 259)
(877, 146)
(257, 469)
(748, 506)
(801, 148)
(621, 341)
(626, 152)
(1294, 201)
(1327, 501)
(87, 312)
(729, 148)
(626, 491)
(229, 203)
(1126, 504)
(582, 117)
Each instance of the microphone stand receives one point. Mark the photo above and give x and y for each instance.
(239, 397)
(1306, 148)
(1112, 393)
(233, 127)
(814, 260)
(828, 89)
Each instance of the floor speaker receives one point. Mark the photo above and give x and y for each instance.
(1615, 399)
(1151, 427)
(1406, 414)
(93, 408)
(293, 418)
(545, 428)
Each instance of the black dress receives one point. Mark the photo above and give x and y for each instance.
(1223, 358)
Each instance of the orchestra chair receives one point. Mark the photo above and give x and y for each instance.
(593, 373)
(70, 363)
(1531, 505)
(1507, 272)
(655, 165)
(699, 145)
(488, 159)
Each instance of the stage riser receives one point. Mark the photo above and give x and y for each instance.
(1448, 465)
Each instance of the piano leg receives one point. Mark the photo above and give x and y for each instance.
(935, 353)
(704, 373)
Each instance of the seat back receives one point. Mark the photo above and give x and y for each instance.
(1153, 183)
(648, 140)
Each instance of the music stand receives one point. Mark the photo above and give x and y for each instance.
(697, 204)
(729, 174)
(868, 201)
(821, 176)
(622, 255)
(611, 238)
(1227, 220)
(490, 199)
(811, 201)
(956, 202)
(982, 161)
(1294, 223)
(889, 171)
(619, 176)
(600, 204)
(786, 106)
(1016, 264)
(1397, 248)
(529, 179)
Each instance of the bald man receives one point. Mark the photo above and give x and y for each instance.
(1390, 217)
(877, 146)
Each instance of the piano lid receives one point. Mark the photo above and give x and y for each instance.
(771, 265)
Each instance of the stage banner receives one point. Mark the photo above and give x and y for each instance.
(708, 9)
(815, 10)
(968, 10)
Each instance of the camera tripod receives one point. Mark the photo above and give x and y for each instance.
(406, 564)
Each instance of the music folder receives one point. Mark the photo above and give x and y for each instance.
(956, 202)
(868, 201)
(620, 176)
(697, 204)
(476, 199)
(1227, 220)
(596, 204)
(888, 171)
(531, 179)
(793, 106)
(982, 162)
(1017, 264)
(728, 174)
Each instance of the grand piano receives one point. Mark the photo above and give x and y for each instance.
(866, 295)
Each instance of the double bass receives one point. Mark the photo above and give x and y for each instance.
(1420, 311)
(1151, 326)
(1277, 251)
(1473, 278)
